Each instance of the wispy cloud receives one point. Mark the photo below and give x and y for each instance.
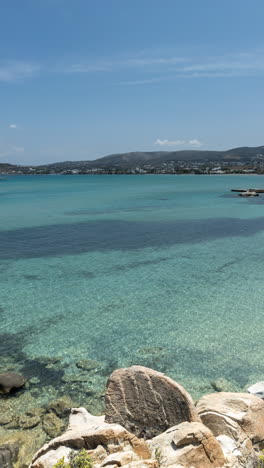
(10, 151)
(143, 68)
(17, 70)
(12, 126)
(193, 143)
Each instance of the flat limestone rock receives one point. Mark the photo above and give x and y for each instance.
(147, 402)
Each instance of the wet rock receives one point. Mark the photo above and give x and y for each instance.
(87, 364)
(146, 402)
(11, 381)
(61, 407)
(52, 425)
(257, 389)
(187, 445)
(8, 455)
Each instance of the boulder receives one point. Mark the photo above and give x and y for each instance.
(52, 457)
(245, 409)
(146, 402)
(236, 445)
(257, 389)
(85, 432)
(187, 445)
(11, 381)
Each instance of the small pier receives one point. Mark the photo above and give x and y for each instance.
(252, 192)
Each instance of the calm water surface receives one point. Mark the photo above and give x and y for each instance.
(163, 271)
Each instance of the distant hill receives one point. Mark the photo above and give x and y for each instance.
(155, 158)
(138, 158)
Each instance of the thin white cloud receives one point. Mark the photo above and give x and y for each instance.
(12, 126)
(169, 142)
(17, 70)
(193, 142)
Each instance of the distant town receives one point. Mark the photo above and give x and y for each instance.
(244, 160)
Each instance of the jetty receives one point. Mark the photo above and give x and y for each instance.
(256, 190)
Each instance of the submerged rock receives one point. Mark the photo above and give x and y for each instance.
(8, 455)
(52, 425)
(11, 381)
(224, 385)
(87, 364)
(147, 402)
(61, 407)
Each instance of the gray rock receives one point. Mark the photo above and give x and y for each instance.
(8, 455)
(11, 381)
(147, 402)
(257, 389)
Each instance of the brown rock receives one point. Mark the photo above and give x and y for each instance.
(11, 381)
(187, 445)
(112, 437)
(52, 425)
(246, 409)
(61, 407)
(146, 402)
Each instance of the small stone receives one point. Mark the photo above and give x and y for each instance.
(52, 425)
(11, 381)
(87, 364)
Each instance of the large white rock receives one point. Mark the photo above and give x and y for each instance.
(257, 389)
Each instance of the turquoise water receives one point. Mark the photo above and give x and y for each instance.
(163, 271)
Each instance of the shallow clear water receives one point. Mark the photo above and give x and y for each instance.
(163, 271)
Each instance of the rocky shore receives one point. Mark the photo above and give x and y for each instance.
(149, 421)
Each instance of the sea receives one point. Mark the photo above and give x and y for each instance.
(103, 272)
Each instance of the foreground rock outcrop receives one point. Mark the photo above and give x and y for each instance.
(151, 422)
(146, 402)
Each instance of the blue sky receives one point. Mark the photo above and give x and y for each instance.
(80, 79)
